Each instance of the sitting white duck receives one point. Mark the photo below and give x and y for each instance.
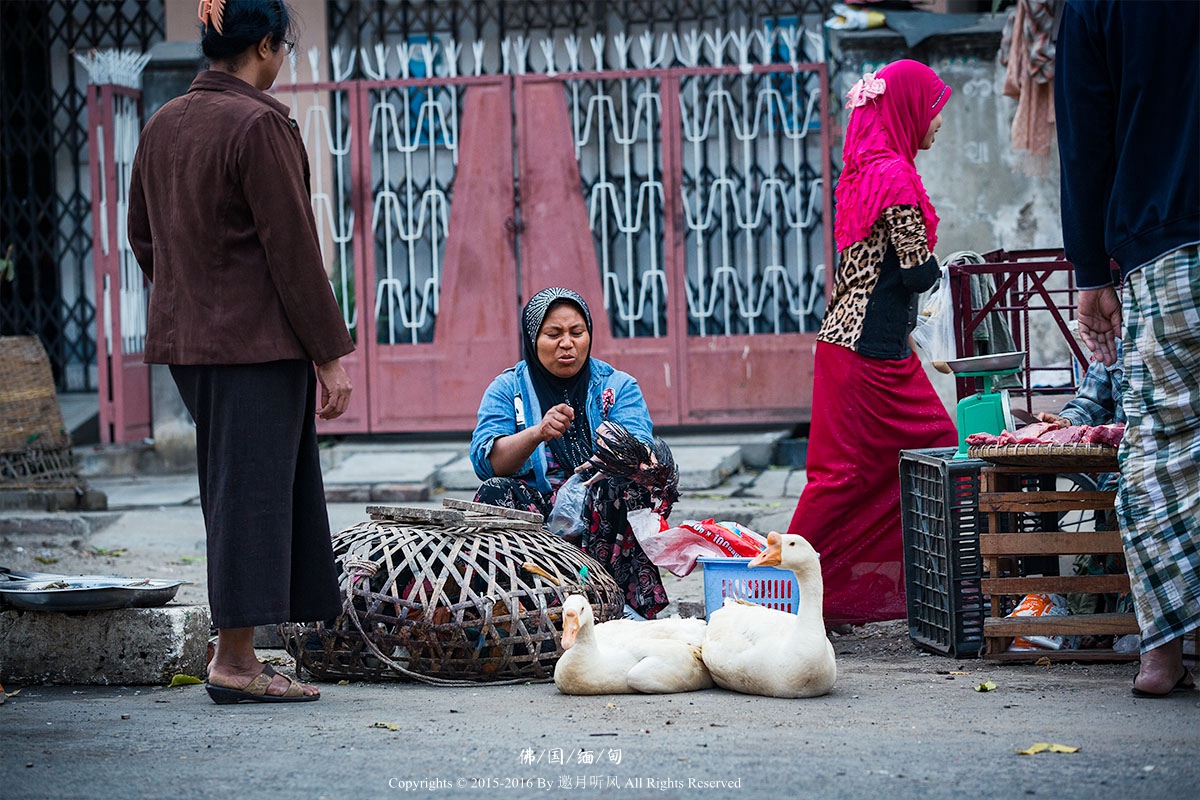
(659, 656)
(757, 650)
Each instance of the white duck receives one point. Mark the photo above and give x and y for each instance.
(623, 656)
(758, 650)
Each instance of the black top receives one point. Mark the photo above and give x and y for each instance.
(873, 308)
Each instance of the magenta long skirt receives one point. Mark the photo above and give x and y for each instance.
(865, 411)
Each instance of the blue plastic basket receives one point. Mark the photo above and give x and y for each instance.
(763, 586)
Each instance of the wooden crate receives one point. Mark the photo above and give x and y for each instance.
(1001, 498)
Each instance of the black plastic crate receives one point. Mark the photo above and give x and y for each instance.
(939, 502)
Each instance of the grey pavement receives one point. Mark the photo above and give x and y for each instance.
(730, 476)
(900, 723)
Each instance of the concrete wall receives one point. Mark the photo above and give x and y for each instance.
(975, 179)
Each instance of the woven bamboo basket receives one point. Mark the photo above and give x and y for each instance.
(465, 595)
(35, 448)
(1049, 456)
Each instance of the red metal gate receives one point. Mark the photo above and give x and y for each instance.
(442, 261)
(123, 380)
(435, 384)
(687, 378)
(690, 205)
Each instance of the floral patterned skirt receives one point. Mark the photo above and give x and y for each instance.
(608, 539)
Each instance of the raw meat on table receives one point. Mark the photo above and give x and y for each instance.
(1026, 434)
(1105, 434)
(1068, 435)
(1051, 433)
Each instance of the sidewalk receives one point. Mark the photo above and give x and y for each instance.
(153, 520)
(416, 471)
(724, 476)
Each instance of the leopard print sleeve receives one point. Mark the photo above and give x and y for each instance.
(906, 229)
(876, 283)
(854, 281)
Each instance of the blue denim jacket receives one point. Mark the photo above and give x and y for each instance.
(510, 404)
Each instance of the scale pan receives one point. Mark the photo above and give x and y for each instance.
(997, 362)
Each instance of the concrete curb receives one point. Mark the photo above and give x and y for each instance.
(40, 531)
(128, 646)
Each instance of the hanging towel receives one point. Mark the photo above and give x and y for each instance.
(1027, 51)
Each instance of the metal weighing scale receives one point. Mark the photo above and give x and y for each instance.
(987, 411)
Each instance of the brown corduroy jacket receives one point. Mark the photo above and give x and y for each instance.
(220, 221)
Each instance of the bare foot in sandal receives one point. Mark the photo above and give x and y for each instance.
(1161, 672)
(268, 686)
(236, 675)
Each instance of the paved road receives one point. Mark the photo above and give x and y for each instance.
(896, 725)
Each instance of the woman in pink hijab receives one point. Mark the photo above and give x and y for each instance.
(871, 397)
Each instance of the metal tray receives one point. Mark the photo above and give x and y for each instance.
(994, 362)
(87, 593)
(10, 576)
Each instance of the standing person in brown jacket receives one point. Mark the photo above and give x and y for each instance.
(241, 308)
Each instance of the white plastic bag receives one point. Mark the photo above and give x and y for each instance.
(846, 18)
(667, 548)
(934, 333)
(566, 518)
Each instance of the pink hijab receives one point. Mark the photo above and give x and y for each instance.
(890, 114)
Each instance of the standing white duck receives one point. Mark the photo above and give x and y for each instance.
(757, 650)
(623, 657)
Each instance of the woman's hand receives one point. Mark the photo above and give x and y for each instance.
(555, 423)
(510, 452)
(335, 389)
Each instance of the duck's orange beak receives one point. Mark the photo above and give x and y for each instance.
(772, 555)
(570, 629)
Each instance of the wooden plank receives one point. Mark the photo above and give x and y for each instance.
(1004, 470)
(1069, 625)
(493, 511)
(411, 514)
(1094, 584)
(1030, 656)
(1050, 543)
(1045, 501)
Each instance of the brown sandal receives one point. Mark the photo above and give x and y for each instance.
(256, 691)
(1184, 685)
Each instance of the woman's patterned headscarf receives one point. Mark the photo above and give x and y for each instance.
(575, 446)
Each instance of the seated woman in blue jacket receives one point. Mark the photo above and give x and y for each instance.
(537, 424)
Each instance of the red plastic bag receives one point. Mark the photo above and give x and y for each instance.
(676, 549)
(756, 540)
(731, 542)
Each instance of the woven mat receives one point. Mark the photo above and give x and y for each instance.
(1053, 456)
